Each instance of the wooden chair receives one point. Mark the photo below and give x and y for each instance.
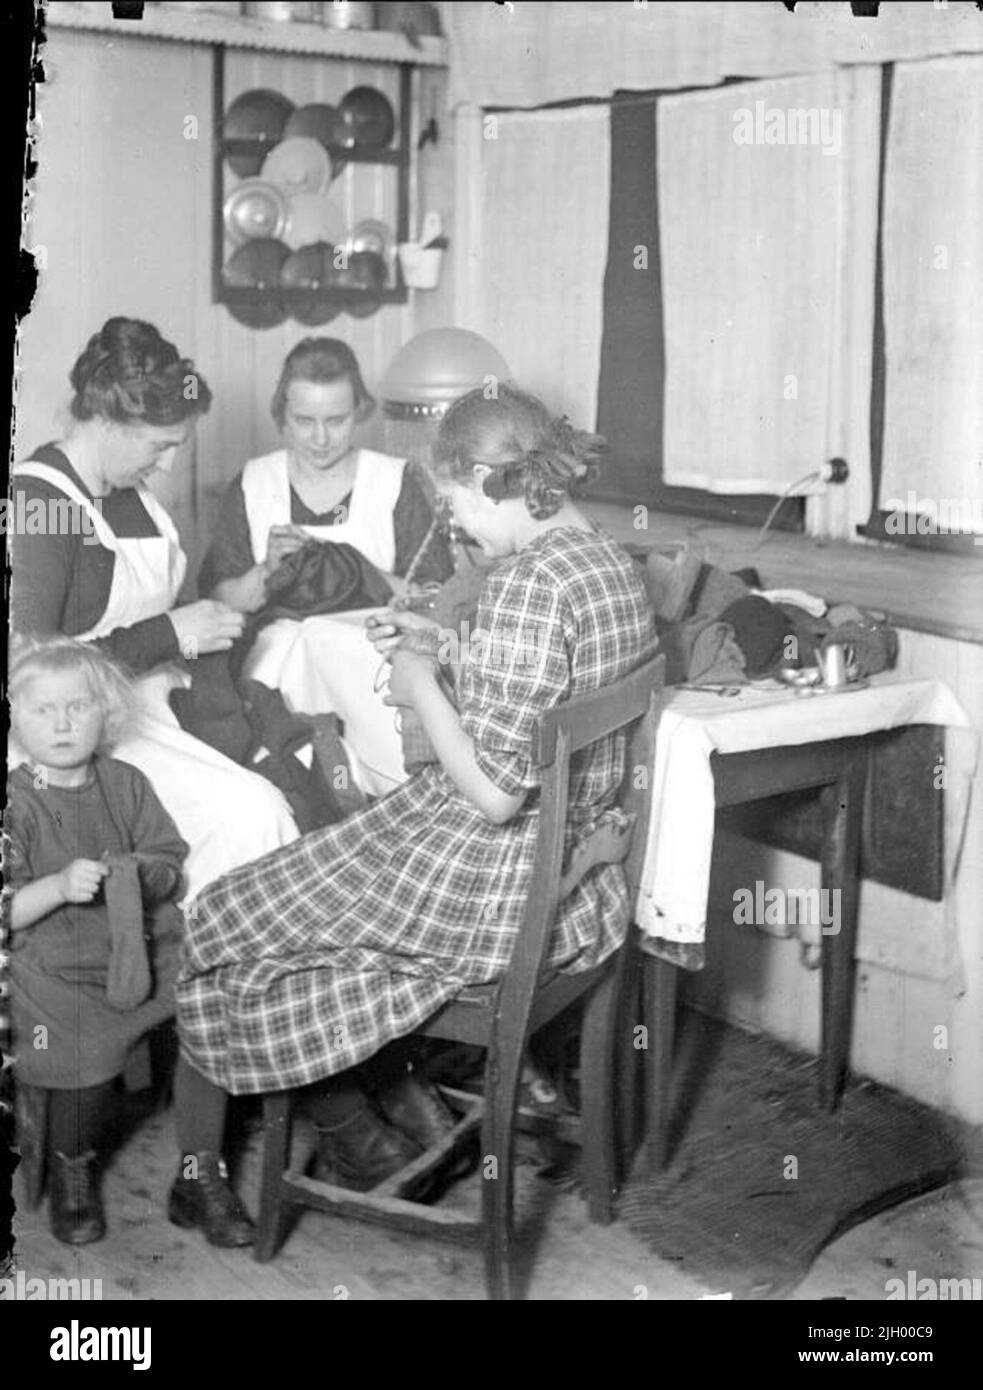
(501, 1018)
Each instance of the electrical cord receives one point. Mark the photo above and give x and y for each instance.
(815, 476)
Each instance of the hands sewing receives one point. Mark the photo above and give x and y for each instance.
(283, 541)
(407, 644)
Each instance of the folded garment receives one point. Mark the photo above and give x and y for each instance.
(760, 630)
(711, 653)
(813, 605)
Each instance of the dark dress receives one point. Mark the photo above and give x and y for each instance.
(60, 581)
(311, 959)
(230, 553)
(58, 966)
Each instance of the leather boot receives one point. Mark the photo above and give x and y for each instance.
(417, 1108)
(209, 1202)
(361, 1149)
(77, 1216)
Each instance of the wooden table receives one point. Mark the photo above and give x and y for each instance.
(839, 765)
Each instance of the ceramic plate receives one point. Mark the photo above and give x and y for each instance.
(300, 164)
(313, 217)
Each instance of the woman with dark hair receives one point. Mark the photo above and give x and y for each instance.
(108, 565)
(321, 486)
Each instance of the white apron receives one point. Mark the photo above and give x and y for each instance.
(227, 815)
(326, 664)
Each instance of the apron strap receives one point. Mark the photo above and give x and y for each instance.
(45, 473)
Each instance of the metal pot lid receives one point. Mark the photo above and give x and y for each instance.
(372, 235)
(371, 117)
(307, 274)
(322, 122)
(258, 115)
(257, 264)
(255, 208)
(310, 268)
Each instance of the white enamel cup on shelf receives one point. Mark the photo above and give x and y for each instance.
(419, 263)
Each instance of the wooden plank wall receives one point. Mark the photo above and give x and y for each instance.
(122, 206)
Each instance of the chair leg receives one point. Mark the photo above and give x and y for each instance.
(660, 1018)
(597, 1094)
(628, 1059)
(276, 1147)
(32, 1140)
(497, 1159)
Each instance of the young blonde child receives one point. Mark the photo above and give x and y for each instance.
(93, 864)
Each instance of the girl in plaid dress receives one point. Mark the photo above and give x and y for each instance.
(309, 960)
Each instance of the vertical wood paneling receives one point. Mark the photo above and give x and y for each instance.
(123, 207)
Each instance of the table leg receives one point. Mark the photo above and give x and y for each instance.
(660, 1020)
(841, 876)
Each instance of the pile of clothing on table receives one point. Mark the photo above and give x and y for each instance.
(722, 628)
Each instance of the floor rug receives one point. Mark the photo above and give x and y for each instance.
(759, 1178)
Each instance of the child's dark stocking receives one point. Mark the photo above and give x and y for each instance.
(77, 1119)
(201, 1195)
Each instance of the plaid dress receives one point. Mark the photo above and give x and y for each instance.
(312, 958)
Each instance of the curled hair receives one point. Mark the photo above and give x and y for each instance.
(321, 361)
(110, 685)
(130, 375)
(531, 454)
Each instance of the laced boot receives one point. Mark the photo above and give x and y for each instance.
(77, 1216)
(208, 1201)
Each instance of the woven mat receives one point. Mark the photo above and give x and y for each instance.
(746, 1113)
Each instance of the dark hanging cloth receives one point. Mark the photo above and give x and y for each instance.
(320, 577)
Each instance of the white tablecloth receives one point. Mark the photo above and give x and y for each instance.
(672, 900)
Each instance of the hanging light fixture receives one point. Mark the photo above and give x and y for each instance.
(436, 367)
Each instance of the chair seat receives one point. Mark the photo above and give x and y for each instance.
(469, 1016)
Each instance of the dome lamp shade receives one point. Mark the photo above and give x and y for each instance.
(434, 369)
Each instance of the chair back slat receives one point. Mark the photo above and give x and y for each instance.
(586, 718)
(563, 731)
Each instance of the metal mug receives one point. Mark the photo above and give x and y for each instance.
(833, 661)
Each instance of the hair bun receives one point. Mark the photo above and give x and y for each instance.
(129, 373)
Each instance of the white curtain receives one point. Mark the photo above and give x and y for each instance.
(544, 239)
(527, 55)
(933, 292)
(750, 236)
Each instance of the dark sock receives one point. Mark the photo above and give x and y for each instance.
(128, 981)
(199, 1108)
(77, 1119)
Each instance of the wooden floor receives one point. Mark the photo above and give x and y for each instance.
(566, 1258)
(145, 1257)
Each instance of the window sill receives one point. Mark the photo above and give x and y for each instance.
(941, 594)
